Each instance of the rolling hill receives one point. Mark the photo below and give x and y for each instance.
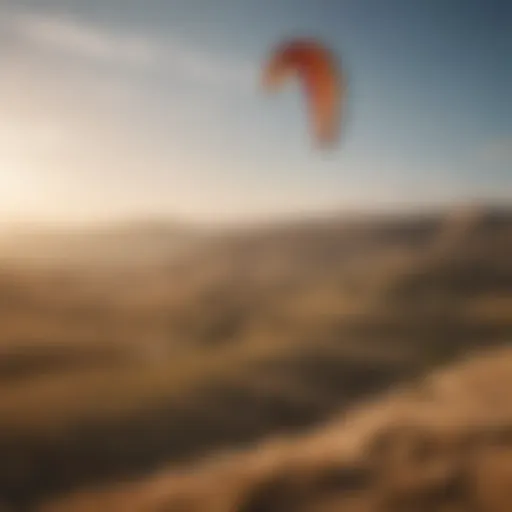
(109, 373)
(442, 443)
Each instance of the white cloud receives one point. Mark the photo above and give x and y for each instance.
(66, 35)
(71, 36)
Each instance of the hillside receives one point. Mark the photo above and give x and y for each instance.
(111, 373)
(121, 244)
(444, 443)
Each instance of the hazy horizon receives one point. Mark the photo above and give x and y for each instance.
(403, 211)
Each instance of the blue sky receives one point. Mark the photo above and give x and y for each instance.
(118, 109)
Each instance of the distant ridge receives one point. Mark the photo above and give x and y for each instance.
(147, 240)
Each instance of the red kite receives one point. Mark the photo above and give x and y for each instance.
(322, 81)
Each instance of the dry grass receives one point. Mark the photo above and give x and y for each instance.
(445, 445)
(110, 374)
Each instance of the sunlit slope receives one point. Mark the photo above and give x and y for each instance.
(443, 444)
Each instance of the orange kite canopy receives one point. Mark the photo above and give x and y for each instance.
(323, 83)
